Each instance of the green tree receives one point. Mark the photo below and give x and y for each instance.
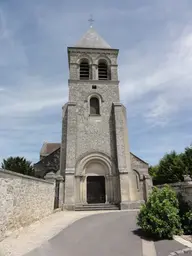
(187, 160)
(19, 165)
(170, 169)
(159, 216)
(153, 171)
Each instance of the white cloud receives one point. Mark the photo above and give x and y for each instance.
(32, 95)
(155, 74)
(167, 80)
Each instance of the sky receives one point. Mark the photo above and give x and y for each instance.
(154, 39)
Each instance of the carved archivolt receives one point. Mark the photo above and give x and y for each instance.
(103, 57)
(83, 57)
(96, 158)
(95, 94)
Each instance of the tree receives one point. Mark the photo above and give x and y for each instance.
(187, 160)
(153, 171)
(170, 169)
(159, 216)
(19, 165)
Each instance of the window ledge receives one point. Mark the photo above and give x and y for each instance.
(94, 115)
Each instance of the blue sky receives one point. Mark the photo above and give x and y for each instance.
(155, 70)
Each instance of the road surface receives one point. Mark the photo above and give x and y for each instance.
(108, 234)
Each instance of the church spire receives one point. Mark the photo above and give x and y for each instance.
(91, 39)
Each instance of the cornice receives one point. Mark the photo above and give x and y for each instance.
(93, 82)
(92, 50)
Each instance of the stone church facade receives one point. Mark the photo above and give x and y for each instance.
(93, 156)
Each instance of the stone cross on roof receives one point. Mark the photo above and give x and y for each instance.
(91, 20)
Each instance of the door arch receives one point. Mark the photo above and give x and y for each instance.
(96, 164)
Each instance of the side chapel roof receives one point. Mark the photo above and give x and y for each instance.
(49, 148)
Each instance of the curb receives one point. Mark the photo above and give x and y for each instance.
(182, 241)
(183, 251)
(185, 243)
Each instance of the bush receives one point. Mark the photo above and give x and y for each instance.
(159, 216)
(187, 222)
(185, 213)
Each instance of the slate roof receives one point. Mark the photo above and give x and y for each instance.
(91, 39)
(48, 148)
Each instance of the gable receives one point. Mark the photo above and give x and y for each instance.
(51, 161)
(138, 164)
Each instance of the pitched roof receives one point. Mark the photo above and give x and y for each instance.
(91, 39)
(48, 148)
(139, 158)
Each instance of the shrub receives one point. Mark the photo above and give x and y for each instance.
(185, 213)
(159, 216)
(187, 222)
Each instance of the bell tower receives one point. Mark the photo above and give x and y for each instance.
(94, 134)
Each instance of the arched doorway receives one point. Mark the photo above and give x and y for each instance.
(96, 180)
(95, 189)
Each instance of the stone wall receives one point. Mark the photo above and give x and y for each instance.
(185, 188)
(23, 200)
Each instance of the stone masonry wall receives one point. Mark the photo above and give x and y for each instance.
(185, 188)
(23, 200)
(93, 133)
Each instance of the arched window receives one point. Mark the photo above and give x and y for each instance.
(137, 180)
(103, 72)
(94, 106)
(84, 70)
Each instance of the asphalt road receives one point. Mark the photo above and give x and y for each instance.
(102, 234)
(108, 234)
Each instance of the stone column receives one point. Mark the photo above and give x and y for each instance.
(70, 157)
(50, 176)
(84, 189)
(94, 72)
(106, 189)
(123, 156)
(187, 178)
(147, 186)
(60, 196)
(81, 189)
(59, 188)
(111, 199)
(77, 189)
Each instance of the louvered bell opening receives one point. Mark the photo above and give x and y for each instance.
(103, 71)
(84, 71)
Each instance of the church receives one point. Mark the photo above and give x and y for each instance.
(93, 157)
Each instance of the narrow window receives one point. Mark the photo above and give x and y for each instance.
(137, 181)
(84, 70)
(103, 70)
(94, 106)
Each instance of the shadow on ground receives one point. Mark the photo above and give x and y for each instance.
(163, 246)
(143, 235)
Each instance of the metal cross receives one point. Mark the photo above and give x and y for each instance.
(91, 20)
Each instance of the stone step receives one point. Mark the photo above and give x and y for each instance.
(96, 207)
